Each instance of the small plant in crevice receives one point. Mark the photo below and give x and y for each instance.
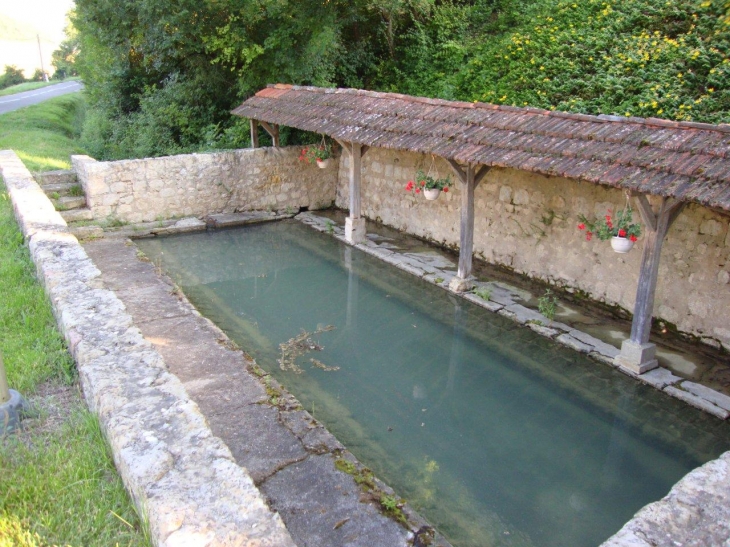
(485, 293)
(439, 280)
(547, 304)
(330, 227)
(391, 506)
(76, 191)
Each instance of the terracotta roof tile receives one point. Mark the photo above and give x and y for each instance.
(686, 160)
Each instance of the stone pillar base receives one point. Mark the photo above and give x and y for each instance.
(355, 230)
(461, 285)
(637, 358)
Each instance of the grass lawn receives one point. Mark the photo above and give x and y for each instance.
(58, 484)
(44, 135)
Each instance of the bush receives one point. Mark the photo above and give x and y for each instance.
(12, 76)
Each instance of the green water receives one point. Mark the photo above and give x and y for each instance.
(496, 435)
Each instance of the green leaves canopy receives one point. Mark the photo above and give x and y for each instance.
(163, 75)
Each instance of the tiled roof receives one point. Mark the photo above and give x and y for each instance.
(686, 160)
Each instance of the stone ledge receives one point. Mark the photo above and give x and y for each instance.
(181, 476)
(697, 402)
(696, 512)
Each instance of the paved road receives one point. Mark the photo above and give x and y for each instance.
(9, 103)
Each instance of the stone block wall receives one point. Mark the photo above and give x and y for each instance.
(199, 184)
(528, 222)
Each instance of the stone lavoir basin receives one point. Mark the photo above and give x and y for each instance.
(496, 435)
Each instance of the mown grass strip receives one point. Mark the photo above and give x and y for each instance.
(26, 86)
(58, 484)
(44, 135)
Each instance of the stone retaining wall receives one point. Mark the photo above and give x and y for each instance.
(528, 222)
(201, 184)
(184, 480)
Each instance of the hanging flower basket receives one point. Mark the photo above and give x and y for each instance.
(431, 186)
(431, 193)
(621, 244)
(317, 153)
(619, 229)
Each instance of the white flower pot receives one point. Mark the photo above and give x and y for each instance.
(621, 244)
(431, 193)
(322, 164)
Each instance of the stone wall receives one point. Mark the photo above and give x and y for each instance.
(184, 480)
(528, 222)
(200, 184)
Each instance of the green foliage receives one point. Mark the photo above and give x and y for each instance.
(12, 76)
(64, 58)
(162, 77)
(649, 58)
(547, 304)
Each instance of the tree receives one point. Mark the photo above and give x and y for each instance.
(12, 76)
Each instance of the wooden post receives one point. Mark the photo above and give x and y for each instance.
(254, 133)
(469, 179)
(354, 224)
(637, 354)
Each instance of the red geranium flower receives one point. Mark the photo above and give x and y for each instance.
(589, 235)
(622, 233)
(633, 238)
(446, 188)
(581, 226)
(418, 190)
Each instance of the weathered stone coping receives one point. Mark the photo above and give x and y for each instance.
(504, 301)
(183, 479)
(696, 512)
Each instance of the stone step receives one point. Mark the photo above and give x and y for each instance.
(87, 232)
(74, 215)
(70, 202)
(62, 176)
(60, 189)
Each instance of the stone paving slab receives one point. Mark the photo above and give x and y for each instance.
(697, 402)
(323, 505)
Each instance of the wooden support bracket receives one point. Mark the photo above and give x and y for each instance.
(272, 130)
(479, 174)
(347, 147)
